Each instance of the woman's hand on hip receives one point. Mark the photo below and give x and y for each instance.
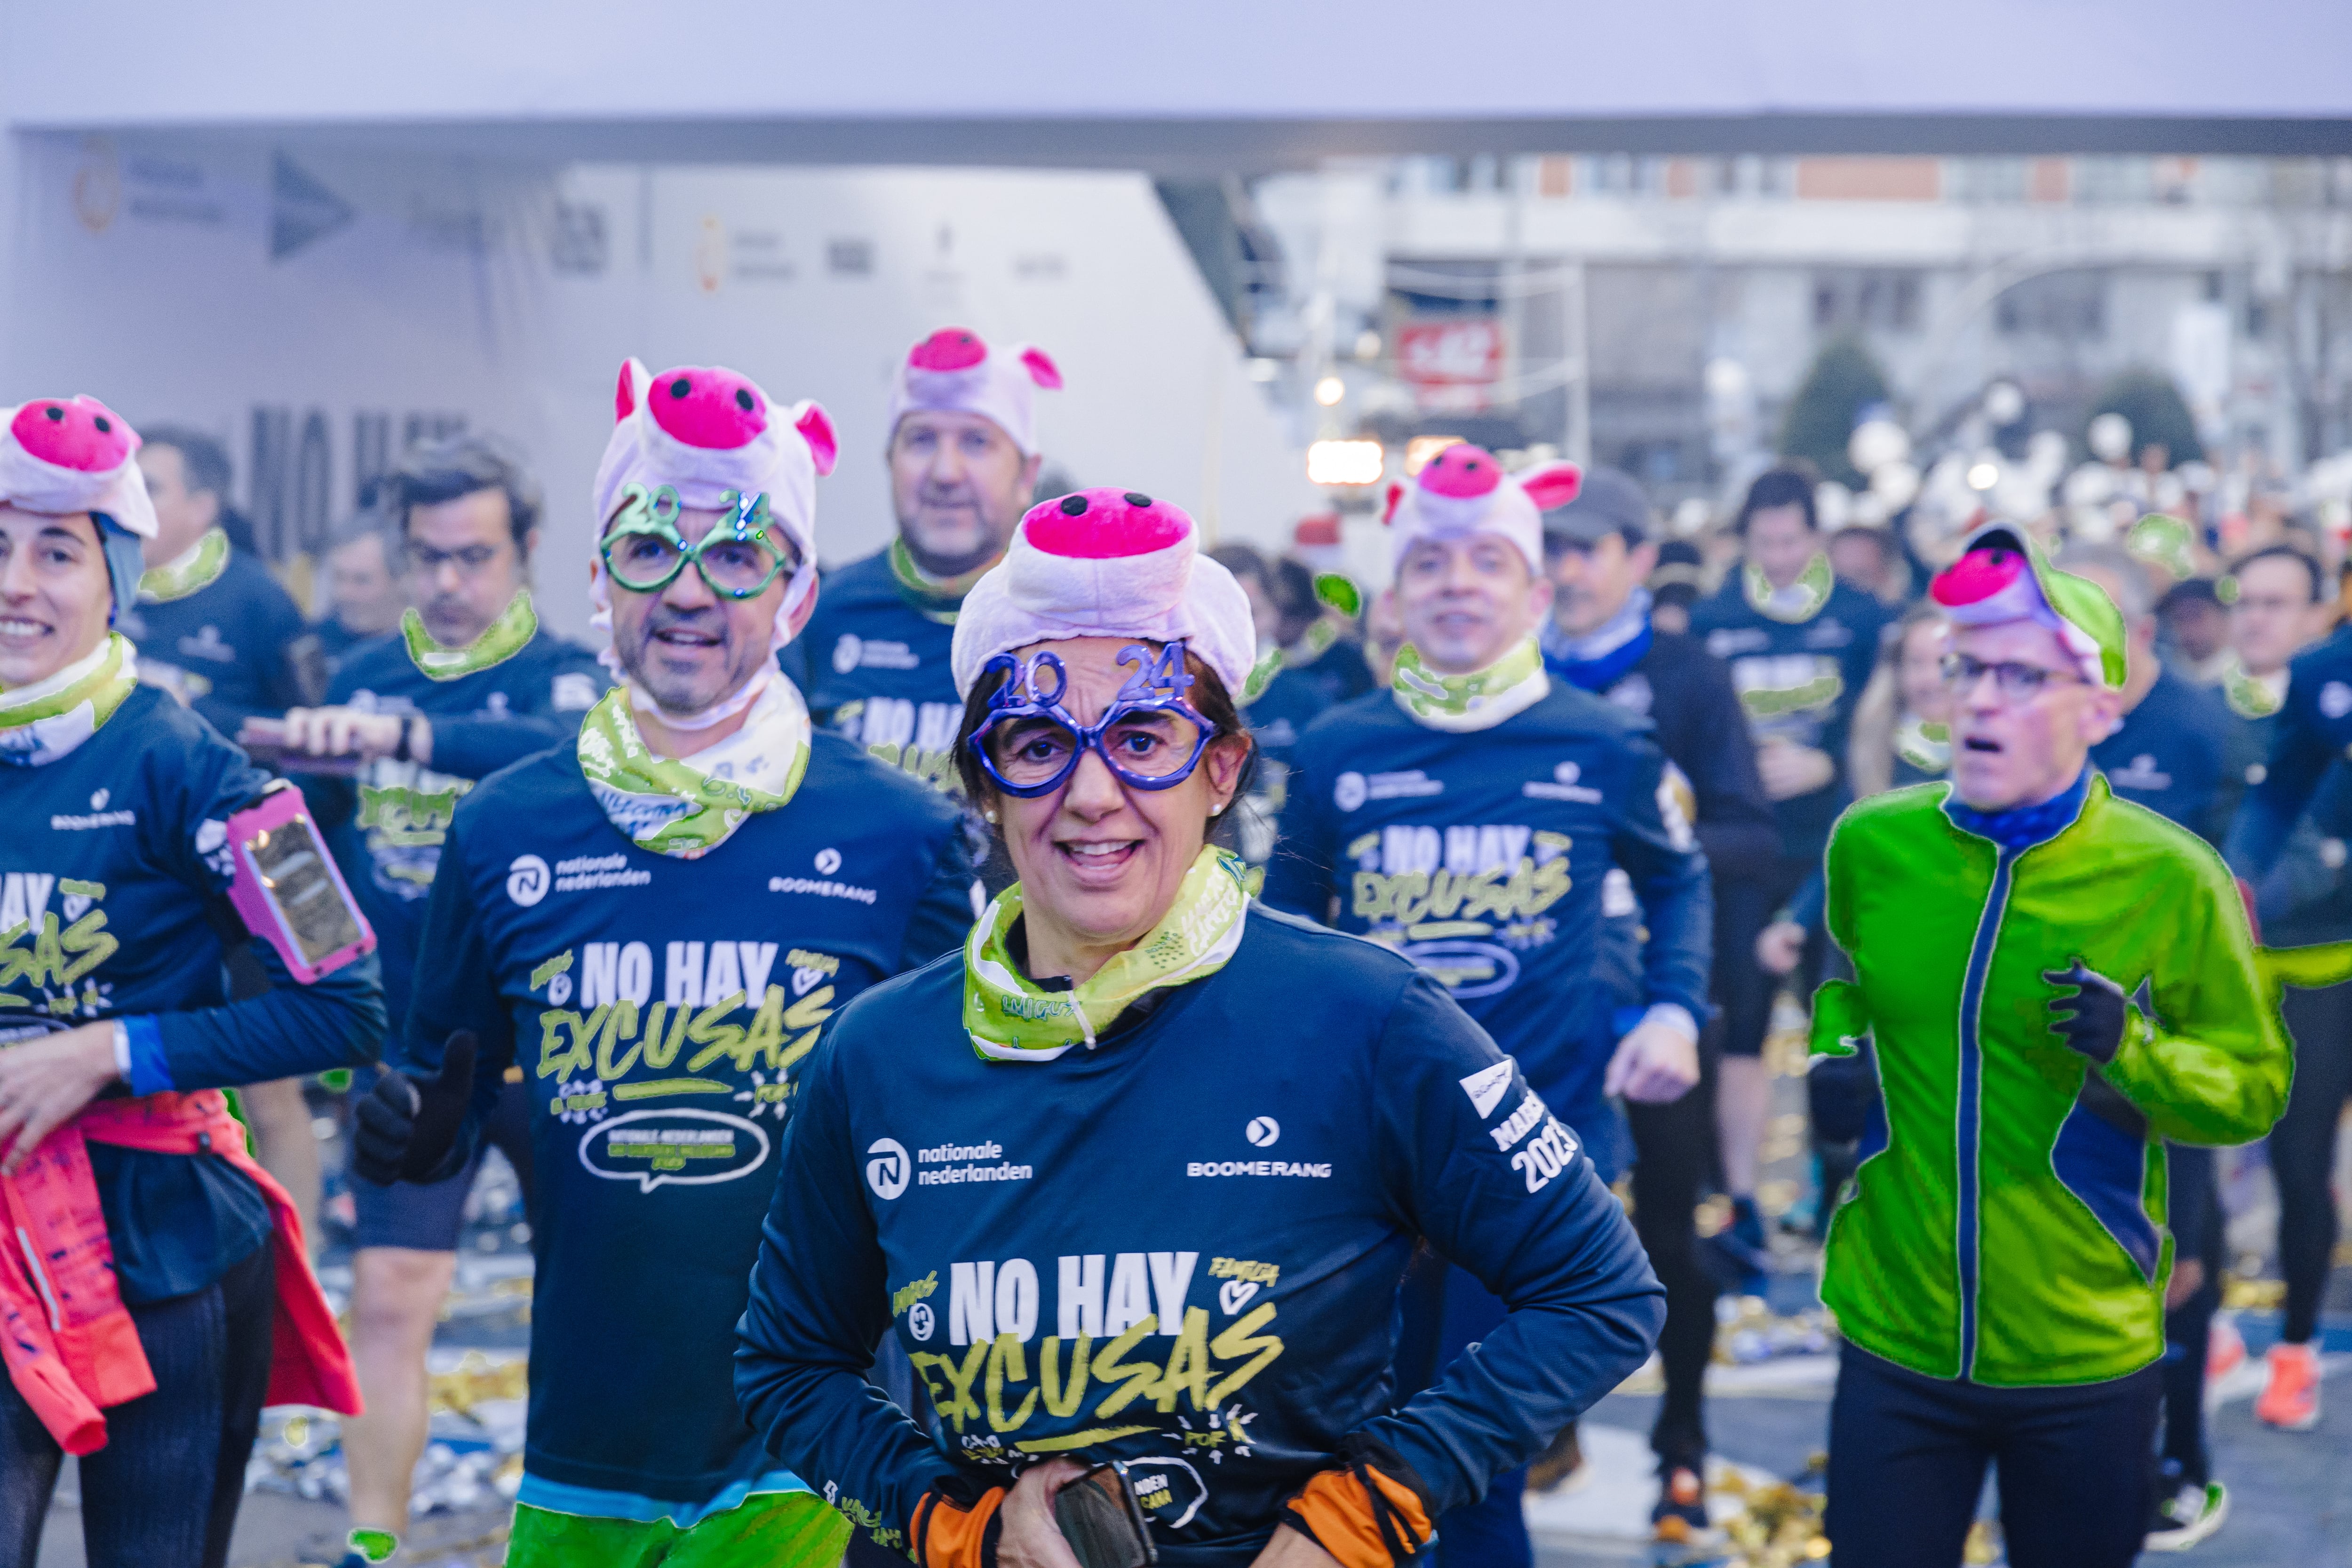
(1030, 1538)
(45, 1083)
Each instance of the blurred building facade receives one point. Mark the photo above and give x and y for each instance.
(1659, 312)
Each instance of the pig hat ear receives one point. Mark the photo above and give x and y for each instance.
(816, 428)
(1042, 368)
(955, 370)
(1550, 484)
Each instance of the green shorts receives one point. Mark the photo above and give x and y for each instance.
(787, 1530)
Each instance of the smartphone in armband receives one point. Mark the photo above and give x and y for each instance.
(288, 889)
(1100, 1517)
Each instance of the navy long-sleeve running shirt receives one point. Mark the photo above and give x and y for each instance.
(1180, 1250)
(655, 1007)
(1482, 857)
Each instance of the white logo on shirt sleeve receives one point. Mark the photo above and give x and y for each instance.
(1487, 1086)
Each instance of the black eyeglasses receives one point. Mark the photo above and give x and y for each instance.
(2017, 682)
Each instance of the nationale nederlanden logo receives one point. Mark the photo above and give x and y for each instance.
(889, 1170)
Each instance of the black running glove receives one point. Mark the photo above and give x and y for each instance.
(2090, 1017)
(404, 1130)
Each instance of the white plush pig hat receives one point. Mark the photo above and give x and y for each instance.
(705, 431)
(1464, 490)
(61, 456)
(1106, 564)
(954, 370)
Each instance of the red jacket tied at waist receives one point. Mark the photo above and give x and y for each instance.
(69, 1343)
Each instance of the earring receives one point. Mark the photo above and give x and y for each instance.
(990, 814)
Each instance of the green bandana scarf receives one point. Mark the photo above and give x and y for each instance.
(501, 641)
(1799, 602)
(200, 567)
(2248, 697)
(1013, 1019)
(934, 598)
(676, 806)
(45, 720)
(1925, 746)
(1479, 700)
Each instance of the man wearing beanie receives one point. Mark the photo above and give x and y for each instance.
(1470, 818)
(963, 458)
(2000, 1272)
(651, 922)
(1600, 639)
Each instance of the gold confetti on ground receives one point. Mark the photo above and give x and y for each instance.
(475, 1378)
(2243, 1294)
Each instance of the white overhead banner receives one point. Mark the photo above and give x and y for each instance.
(316, 312)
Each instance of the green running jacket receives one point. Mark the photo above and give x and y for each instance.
(2008, 1224)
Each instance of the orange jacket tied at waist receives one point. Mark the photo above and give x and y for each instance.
(70, 1345)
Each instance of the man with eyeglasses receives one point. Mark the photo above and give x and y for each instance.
(465, 517)
(2054, 981)
(964, 459)
(650, 925)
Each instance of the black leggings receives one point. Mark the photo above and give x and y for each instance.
(2302, 1148)
(1907, 1456)
(163, 1491)
(1674, 1152)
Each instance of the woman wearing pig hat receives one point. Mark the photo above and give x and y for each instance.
(649, 924)
(155, 1289)
(1123, 1199)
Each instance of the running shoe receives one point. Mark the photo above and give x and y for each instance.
(1743, 1259)
(1681, 1510)
(2290, 1400)
(2225, 1349)
(2187, 1517)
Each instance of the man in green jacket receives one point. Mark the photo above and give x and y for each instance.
(2057, 980)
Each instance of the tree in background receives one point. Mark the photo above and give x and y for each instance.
(1843, 380)
(2158, 415)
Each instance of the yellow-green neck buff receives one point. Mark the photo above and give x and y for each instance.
(1799, 602)
(1478, 700)
(1011, 1017)
(199, 566)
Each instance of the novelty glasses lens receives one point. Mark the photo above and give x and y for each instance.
(738, 568)
(643, 561)
(1146, 744)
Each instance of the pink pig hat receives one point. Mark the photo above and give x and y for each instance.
(1464, 490)
(954, 370)
(704, 431)
(61, 456)
(1106, 564)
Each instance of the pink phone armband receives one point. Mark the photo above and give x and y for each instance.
(289, 890)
